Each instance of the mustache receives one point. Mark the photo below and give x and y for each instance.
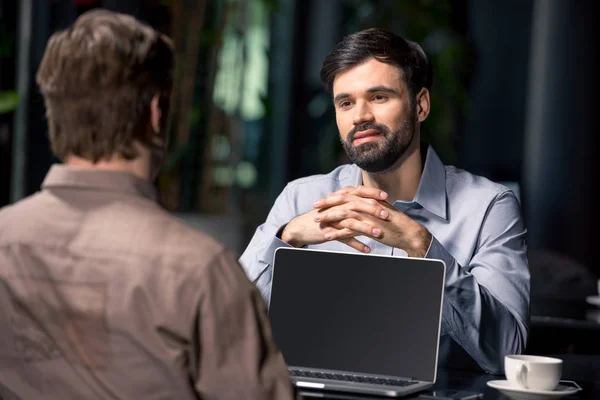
(365, 127)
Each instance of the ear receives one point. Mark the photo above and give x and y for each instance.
(155, 114)
(423, 102)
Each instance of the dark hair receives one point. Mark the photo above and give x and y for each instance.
(98, 79)
(384, 46)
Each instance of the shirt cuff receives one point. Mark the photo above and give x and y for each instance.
(274, 245)
(438, 252)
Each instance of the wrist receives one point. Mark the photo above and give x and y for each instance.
(288, 236)
(420, 243)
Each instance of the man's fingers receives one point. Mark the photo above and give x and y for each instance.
(349, 228)
(335, 214)
(337, 232)
(344, 190)
(371, 207)
(369, 192)
(334, 199)
(361, 227)
(350, 193)
(347, 189)
(353, 209)
(355, 244)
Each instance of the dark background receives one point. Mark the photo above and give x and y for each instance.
(514, 99)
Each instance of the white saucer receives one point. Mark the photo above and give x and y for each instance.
(518, 393)
(595, 300)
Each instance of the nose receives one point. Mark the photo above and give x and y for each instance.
(362, 113)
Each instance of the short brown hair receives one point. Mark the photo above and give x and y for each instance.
(385, 47)
(98, 79)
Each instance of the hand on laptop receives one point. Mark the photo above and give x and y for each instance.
(364, 211)
(355, 203)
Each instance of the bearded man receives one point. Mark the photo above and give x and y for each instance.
(398, 198)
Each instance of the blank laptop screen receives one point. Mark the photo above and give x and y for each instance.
(358, 313)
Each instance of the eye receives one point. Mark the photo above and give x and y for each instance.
(379, 97)
(345, 104)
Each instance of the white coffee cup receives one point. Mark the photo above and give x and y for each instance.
(533, 372)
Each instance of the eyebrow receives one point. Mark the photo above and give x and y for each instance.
(374, 89)
(382, 88)
(340, 97)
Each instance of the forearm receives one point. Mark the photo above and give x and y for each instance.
(482, 323)
(257, 259)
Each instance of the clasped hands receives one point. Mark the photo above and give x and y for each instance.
(357, 211)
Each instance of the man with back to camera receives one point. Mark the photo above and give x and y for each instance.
(103, 295)
(398, 198)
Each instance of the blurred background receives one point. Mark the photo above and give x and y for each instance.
(514, 99)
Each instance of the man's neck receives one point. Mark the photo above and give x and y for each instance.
(139, 167)
(402, 182)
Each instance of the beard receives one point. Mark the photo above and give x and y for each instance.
(383, 155)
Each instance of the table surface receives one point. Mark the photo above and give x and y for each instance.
(588, 377)
(573, 321)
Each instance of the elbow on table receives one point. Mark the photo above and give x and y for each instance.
(510, 343)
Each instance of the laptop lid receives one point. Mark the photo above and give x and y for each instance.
(359, 313)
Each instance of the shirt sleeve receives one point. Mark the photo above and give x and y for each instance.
(234, 355)
(486, 303)
(257, 259)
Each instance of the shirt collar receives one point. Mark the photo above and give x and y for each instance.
(431, 193)
(110, 181)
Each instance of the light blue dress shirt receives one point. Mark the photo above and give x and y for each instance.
(477, 231)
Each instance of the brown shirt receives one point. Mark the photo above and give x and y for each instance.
(103, 295)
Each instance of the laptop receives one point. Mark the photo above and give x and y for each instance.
(357, 323)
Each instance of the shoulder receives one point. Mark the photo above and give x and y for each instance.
(461, 183)
(173, 237)
(22, 206)
(137, 227)
(341, 176)
(18, 216)
(181, 252)
(298, 195)
(7, 212)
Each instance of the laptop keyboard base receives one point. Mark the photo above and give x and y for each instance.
(296, 373)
